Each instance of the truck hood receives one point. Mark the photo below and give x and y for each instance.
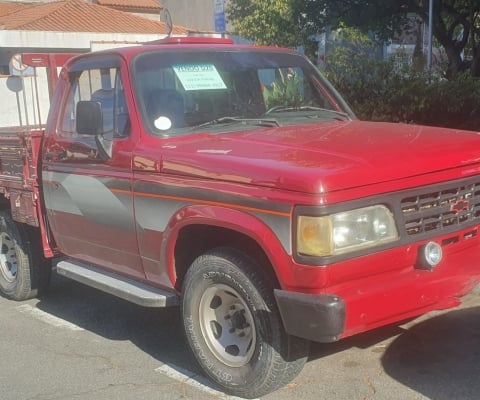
(323, 157)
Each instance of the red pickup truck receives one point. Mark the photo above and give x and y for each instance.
(234, 182)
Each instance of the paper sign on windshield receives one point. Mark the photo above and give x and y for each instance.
(199, 76)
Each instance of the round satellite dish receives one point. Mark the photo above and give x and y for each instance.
(15, 83)
(167, 18)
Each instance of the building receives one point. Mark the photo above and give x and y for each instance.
(70, 25)
(65, 26)
(150, 9)
(201, 15)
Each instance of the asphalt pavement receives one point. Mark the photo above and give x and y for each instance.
(81, 344)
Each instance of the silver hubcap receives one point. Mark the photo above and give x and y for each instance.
(8, 258)
(227, 325)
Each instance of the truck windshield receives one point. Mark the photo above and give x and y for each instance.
(226, 90)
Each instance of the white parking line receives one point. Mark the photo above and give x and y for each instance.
(48, 318)
(192, 379)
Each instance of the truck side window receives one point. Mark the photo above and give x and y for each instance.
(104, 86)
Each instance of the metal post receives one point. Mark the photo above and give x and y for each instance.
(430, 35)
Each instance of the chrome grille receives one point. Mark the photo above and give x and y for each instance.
(451, 207)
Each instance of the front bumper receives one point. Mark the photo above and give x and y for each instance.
(320, 318)
(379, 289)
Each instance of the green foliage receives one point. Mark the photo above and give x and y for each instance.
(290, 22)
(270, 22)
(386, 91)
(286, 91)
(455, 23)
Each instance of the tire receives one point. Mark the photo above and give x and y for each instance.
(234, 328)
(24, 272)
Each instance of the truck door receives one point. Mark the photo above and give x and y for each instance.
(88, 178)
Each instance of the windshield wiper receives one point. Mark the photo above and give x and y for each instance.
(306, 108)
(248, 121)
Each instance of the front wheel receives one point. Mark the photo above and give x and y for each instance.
(234, 328)
(23, 270)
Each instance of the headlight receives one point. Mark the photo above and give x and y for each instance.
(345, 232)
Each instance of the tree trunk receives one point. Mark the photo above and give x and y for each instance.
(455, 62)
(475, 65)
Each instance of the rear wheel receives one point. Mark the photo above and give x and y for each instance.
(234, 328)
(23, 270)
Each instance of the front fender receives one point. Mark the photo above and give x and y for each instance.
(271, 232)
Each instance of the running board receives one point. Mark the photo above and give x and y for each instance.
(127, 289)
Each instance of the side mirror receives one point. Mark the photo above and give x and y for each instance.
(89, 119)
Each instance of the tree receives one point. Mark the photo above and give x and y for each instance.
(456, 23)
(271, 22)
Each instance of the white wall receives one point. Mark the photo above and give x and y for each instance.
(66, 40)
(19, 100)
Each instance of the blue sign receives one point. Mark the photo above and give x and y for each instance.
(220, 23)
(219, 15)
